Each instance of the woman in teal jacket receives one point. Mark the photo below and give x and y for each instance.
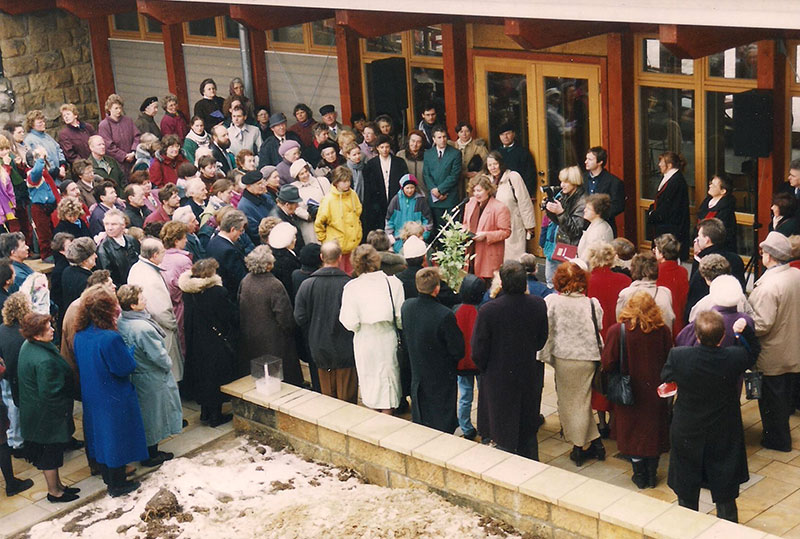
(409, 204)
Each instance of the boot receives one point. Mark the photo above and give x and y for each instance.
(639, 473)
(157, 458)
(578, 455)
(216, 417)
(652, 470)
(118, 485)
(597, 450)
(693, 504)
(728, 511)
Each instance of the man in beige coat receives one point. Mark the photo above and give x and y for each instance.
(776, 302)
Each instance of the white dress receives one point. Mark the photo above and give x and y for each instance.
(512, 192)
(367, 312)
(313, 190)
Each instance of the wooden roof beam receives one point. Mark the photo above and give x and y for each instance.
(265, 18)
(96, 8)
(167, 12)
(15, 7)
(540, 34)
(374, 23)
(699, 41)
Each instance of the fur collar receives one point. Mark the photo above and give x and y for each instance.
(195, 285)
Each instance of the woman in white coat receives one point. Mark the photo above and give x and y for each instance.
(599, 231)
(371, 310)
(512, 192)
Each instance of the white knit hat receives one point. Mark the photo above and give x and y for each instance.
(725, 291)
(297, 166)
(414, 247)
(282, 235)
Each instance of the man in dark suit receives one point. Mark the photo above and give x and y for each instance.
(441, 171)
(518, 158)
(220, 142)
(792, 185)
(268, 153)
(287, 203)
(224, 249)
(435, 344)
(381, 182)
(599, 180)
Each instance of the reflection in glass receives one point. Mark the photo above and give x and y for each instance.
(288, 34)
(231, 28)
(719, 151)
(126, 22)
(744, 240)
(795, 121)
(667, 124)
(390, 43)
(567, 113)
(323, 33)
(657, 59)
(428, 41)
(203, 27)
(427, 87)
(153, 26)
(738, 63)
(507, 94)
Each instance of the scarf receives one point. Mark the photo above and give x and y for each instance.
(462, 145)
(200, 140)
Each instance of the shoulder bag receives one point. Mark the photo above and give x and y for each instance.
(618, 385)
(597, 379)
(401, 345)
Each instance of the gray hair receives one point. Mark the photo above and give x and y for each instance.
(80, 249)
(194, 185)
(114, 212)
(151, 247)
(260, 260)
(9, 242)
(184, 214)
(235, 219)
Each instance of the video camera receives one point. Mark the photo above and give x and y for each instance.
(550, 193)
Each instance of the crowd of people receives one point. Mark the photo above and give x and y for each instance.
(183, 251)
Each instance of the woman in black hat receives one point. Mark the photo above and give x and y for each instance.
(146, 122)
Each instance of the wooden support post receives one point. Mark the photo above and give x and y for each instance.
(258, 44)
(454, 58)
(348, 57)
(176, 68)
(622, 126)
(101, 60)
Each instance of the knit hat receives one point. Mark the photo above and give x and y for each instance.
(472, 289)
(267, 170)
(328, 144)
(290, 194)
(777, 245)
(282, 235)
(147, 102)
(297, 166)
(252, 177)
(414, 247)
(288, 145)
(408, 178)
(309, 255)
(725, 291)
(277, 119)
(326, 109)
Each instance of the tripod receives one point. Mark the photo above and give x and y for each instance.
(753, 265)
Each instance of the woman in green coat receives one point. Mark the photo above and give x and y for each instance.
(45, 403)
(155, 385)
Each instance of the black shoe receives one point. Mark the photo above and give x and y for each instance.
(123, 488)
(471, 436)
(652, 472)
(597, 450)
(66, 497)
(768, 445)
(541, 421)
(71, 490)
(18, 485)
(185, 424)
(160, 458)
(639, 477)
(728, 511)
(578, 455)
(204, 413)
(219, 419)
(74, 444)
(403, 408)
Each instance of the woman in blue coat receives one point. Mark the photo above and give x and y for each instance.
(111, 416)
(155, 385)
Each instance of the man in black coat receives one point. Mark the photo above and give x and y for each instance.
(118, 251)
(792, 184)
(316, 310)
(435, 344)
(600, 180)
(220, 142)
(518, 158)
(710, 240)
(706, 436)
(287, 203)
(669, 212)
(381, 182)
(223, 248)
(268, 153)
(508, 332)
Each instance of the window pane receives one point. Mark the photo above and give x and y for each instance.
(795, 144)
(719, 151)
(507, 95)
(567, 113)
(427, 87)
(667, 124)
(152, 26)
(745, 243)
(738, 63)
(657, 59)
(127, 22)
(428, 41)
(323, 33)
(203, 27)
(390, 43)
(231, 28)
(288, 34)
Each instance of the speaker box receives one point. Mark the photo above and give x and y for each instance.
(387, 85)
(752, 123)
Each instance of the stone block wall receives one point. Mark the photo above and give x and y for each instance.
(47, 57)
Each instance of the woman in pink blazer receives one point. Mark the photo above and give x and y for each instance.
(490, 221)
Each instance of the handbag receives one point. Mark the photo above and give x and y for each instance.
(597, 379)
(564, 251)
(752, 384)
(618, 384)
(401, 344)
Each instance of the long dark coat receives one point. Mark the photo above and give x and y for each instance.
(267, 324)
(209, 319)
(376, 199)
(73, 283)
(669, 212)
(707, 435)
(435, 344)
(508, 333)
(642, 429)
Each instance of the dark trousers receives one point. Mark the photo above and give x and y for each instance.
(776, 405)
(44, 228)
(340, 384)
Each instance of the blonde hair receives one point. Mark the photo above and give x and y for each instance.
(411, 228)
(16, 307)
(601, 255)
(114, 99)
(70, 107)
(571, 175)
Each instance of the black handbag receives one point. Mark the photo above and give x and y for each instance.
(401, 344)
(597, 378)
(618, 384)
(752, 384)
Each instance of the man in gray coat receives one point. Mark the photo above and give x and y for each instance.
(316, 310)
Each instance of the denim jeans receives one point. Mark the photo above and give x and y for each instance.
(466, 390)
(550, 268)
(14, 432)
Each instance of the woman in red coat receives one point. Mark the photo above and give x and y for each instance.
(490, 222)
(642, 429)
(673, 276)
(605, 285)
(164, 168)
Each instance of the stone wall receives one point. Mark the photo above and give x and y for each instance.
(47, 57)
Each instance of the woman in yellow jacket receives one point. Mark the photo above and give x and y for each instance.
(339, 216)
